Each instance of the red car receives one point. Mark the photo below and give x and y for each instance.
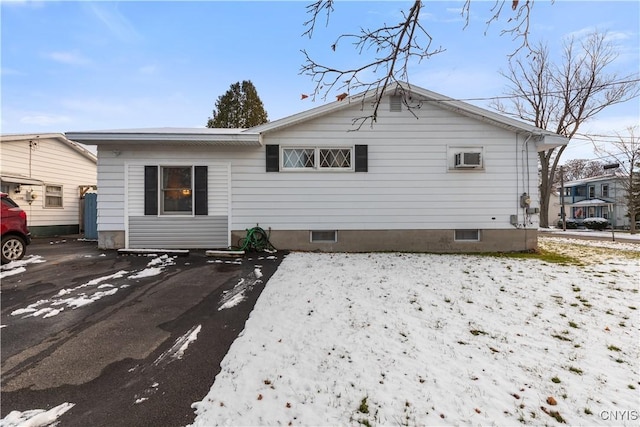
(15, 234)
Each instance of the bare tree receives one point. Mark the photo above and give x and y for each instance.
(626, 153)
(561, 97)
(395, 47)
(577, 169)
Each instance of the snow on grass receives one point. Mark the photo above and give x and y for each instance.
(423, 339)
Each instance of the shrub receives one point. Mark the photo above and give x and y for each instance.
(572, 224)
(596, 223)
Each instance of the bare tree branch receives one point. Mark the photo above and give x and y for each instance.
(395, 48)
(626, 153)
(562, 97)
(314, 9)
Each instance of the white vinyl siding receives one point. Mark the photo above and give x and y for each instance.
(54, 163)
(208, 231)
(407, 185)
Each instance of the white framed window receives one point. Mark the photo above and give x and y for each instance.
(317, 158)
(323, 236)
(53, 196)
(176, 190)
(460, 158)
(605, 190)
(592, 191)
(467, 235)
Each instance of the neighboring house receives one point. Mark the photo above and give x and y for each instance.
(597, 197)
(444, 177)
(47, 174)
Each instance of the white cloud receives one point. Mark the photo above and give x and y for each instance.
(111, 17)
(43, 119)
(148, 69)
(10, 72)
(71, 58)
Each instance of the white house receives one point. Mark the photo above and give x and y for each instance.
(47, 174)
(432, 174)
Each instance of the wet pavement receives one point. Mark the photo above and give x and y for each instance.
(129, 340)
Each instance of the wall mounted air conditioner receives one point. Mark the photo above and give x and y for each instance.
(468, 160)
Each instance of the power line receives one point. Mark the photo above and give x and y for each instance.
(525, 95)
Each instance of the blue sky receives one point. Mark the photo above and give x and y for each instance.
(72, 66)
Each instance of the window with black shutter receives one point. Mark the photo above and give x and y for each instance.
(176, 190)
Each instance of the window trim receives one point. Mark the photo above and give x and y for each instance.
(161, 191)
(453, 150)
(47, 194)
(199, 190)
(316, 159)
(312, 240)
(457, 238)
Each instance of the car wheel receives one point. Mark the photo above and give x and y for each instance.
(13, 248)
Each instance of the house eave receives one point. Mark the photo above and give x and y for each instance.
(20, 179)
(181, 137)
(545, 139)
(57, 136)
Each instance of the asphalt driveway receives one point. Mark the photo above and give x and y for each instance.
(128, 339)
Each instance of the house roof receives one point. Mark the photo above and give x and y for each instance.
(181, 136)
(610, 177)
(592, 202)
(57, 136)
(543, 139)
(20, 179)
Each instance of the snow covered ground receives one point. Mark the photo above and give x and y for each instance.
(422, 339)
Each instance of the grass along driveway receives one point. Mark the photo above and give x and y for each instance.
(422, 339)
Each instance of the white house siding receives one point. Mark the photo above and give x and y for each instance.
(408, 185)
(409, 192)
(55, 163)
(121, 220)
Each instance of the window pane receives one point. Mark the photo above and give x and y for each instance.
(473, 235)
(298, 158)
(176, 190)
(335, 158)
(53, 196)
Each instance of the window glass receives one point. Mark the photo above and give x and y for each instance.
(298, 158)
(472, 235)
(53, 196)
(176, 190)
(605, 190)
(335, 158)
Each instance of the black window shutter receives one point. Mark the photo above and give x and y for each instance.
(201, 191)
(273, 158)
(361, 159)
(151, 190)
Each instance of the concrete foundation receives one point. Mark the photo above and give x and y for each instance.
(435, 241)
(111, 239)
